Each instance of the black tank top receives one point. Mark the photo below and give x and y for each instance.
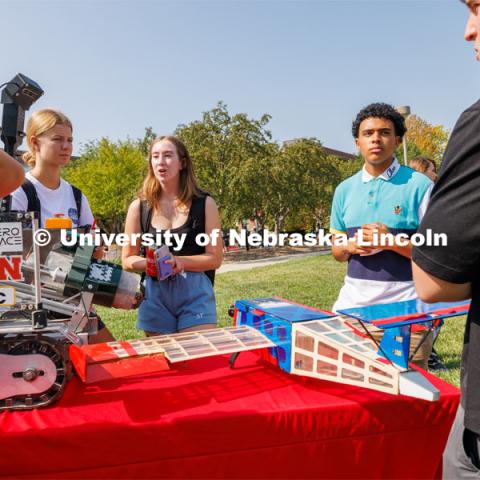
(194, 225)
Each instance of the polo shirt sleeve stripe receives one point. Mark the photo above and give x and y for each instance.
(424, 204)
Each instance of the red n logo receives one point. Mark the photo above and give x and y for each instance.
(10, 268)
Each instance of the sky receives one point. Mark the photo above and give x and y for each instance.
(116, 67)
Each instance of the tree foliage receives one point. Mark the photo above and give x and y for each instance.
(227, 151)
(302, 182)
(109, 174)
(347, 168)
(252, 177)
(424, 139)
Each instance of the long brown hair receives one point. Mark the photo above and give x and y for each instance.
(39, 123)
(188, 188)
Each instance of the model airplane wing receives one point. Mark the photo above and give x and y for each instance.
(396, 314)
(104, 361)
(397, 318)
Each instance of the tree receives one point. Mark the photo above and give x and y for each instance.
(301, 186)
(228, 151)
(347, 168)
(424, 139)
(145, 142)
(110, 174)
(252, 177)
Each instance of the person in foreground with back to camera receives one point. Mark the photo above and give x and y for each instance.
(451, 272)
(49, 139)
(11, 174)
(172, 201)
(384, 197)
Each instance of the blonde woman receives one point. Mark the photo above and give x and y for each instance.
(172, 201)
(49, 140)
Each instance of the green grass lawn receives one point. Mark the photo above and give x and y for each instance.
(313, 281)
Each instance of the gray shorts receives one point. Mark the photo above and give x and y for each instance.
(179, 302)
(456, 463)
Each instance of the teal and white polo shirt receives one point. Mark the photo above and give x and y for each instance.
(397, 198)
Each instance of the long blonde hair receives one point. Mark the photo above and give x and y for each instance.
(38, 124)
(188, 188)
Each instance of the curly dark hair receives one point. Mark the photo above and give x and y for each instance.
(380, 110)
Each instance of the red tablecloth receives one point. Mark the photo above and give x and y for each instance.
(203, 419)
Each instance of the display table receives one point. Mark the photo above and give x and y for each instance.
(203, 419)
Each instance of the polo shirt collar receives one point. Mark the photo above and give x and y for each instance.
(387, 175)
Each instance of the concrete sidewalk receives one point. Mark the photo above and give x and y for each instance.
(263, 262)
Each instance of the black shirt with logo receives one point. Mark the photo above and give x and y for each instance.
(454, 209)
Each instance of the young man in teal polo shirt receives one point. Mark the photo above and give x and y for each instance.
(384, 197)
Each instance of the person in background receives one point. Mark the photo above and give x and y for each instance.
(172, 201)
(424, 165)
(451, 272)
(50, 143)
(11, 174)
